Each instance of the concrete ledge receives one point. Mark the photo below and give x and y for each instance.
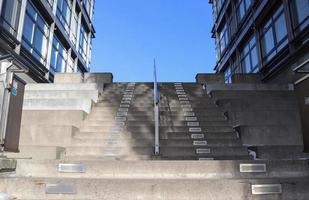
(68, 78)
(60, 86)
(53, 117)
(62, 94)
(7, 165)
(209, 78)
(58, 104)
(38, 153)
(248, 87)
(46, 135)
(275, 135)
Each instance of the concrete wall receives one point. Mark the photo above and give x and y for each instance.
(209, 78)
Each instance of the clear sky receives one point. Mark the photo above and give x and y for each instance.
(131, 33)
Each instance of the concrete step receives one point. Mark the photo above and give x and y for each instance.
(94, 122)
(202, 170)
(108, 135)
(203, 151)
(209, 135)
(163, 142)
(35, 188)
(243, 87)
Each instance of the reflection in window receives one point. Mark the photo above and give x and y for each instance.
(35, 34)
(64, 13)
(274, 35)
(249, 57)
(218, 5)
(50, 2)
(243, 6)
(10, 15)
(59, 56)
(74, 28)
(302, 13)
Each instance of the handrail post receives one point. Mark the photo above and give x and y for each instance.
(156, 112)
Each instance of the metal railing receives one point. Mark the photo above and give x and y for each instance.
(156, 101)
(299, 69)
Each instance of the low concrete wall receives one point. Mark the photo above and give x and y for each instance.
(46, 135)
(68, 78)
(53, 117)
(246, 78)
(209, 78)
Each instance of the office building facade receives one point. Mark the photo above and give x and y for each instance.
(268, 37)
(48, 35)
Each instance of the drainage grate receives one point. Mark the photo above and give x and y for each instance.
(189, 114)
(60, 188)
(71, 168)
(184, 102)
(127, 98)
(202, 151)
(206, 159)
(252, 168)
(267, 189)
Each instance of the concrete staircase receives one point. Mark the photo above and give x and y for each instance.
(206, 147)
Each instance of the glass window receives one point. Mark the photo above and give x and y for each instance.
(35, 34)
(59, 56)
(274, 35)
(249, 57)
(63, 13)
(50, 2)
(223, 38)
(302, 13)
(242, 8)
(74, 28)
(10, 15)
(83, 43)
(228, 75)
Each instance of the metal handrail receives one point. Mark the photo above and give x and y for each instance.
(156, 101)
(298, 68)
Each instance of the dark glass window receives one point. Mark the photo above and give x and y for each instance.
(249, 57)
(35, 34)
(301, 8)
(74, 28)
(59, 57)
(10, 15)
(63, 13)
(274, 34)
(218, 4)
(242, 8)
(223, 38)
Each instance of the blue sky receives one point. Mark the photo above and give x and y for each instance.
(130, 33)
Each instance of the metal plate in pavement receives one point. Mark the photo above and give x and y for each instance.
(252, 168)
(197, 136)
(203, 151)
(267, 189)
(200, 143)
(60, 188)
(191, 118)
(195, 130)
(71, 168)
(193, 124)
